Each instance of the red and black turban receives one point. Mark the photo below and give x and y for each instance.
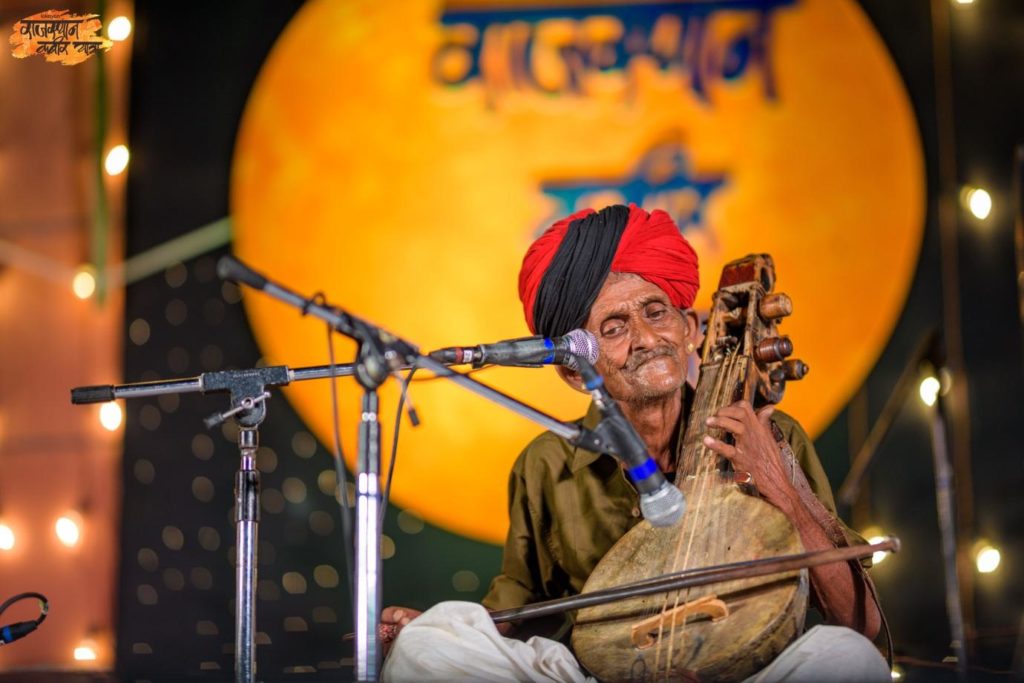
(564, 270)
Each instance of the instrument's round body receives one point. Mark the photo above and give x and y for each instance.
(765, 613)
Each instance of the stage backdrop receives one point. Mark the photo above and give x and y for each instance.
(401, 156)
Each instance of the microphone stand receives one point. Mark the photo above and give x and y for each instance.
(371, 372)
(381, 353)
(248, 408)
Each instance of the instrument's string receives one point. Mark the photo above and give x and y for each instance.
(684, 468)
(704, 466)
(706, 400)
(689, 522)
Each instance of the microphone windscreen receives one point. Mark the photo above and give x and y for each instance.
(664, 507)
(581, 343)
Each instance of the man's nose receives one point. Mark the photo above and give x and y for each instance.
(643, 334)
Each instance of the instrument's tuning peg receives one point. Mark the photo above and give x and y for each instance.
(727, 298)
(790, 369)
(773, 349)
(796, 368)
(775, 306)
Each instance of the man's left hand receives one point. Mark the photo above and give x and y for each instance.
(753, 450)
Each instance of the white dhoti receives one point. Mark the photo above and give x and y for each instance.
(827, 654)
(457, 641)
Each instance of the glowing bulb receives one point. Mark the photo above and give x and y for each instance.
(84, 282)
(929, 390)
(987, 559)
(6, 537)
(68, 531)
(117, 160)
(110, 416)
(85, 651)
(980, 203)
(896, 673)
(976, 200)
(879, 557)
(965, 2)
(119, 28)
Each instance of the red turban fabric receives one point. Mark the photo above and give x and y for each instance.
(650, 246)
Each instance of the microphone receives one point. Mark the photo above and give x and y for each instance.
(525, 351)
(661, 503)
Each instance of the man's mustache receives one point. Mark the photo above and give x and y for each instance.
(641, 357)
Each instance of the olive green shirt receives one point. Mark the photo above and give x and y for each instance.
(568, 506)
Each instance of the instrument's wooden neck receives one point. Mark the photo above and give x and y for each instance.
(720, 384)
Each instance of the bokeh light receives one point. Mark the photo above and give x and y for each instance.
(85, 651)
(119, 28)
(68, 529)
(876, 535)
(987, 559)
(977, 200)
(84, 282)
(6, 537)
(117, 160)
(111, 416)
(929, 390)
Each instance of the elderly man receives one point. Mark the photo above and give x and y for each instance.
(630, 278)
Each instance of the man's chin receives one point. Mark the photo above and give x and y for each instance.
(664, 386)
(652, 395)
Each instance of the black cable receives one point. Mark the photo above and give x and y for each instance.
(341, 479)
(394, 440)
(13, 632)
(339, 462)
(415, 423)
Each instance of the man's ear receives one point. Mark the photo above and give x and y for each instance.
(692, 322)
(572, 378)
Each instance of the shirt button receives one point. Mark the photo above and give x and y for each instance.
(636, 511)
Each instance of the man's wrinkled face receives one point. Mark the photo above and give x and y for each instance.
(642, 337)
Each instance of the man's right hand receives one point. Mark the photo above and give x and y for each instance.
(392, 621)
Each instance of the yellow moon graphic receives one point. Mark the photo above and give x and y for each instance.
(401, 156)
